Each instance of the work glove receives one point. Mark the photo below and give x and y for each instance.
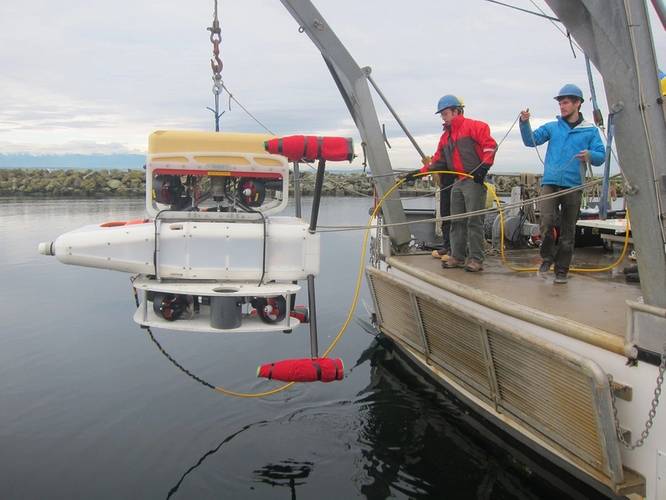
(411, 176)
(480, 173)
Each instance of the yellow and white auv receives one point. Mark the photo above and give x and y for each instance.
(211, 255)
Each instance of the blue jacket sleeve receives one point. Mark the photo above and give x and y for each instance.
(541, 134)
(597, 150)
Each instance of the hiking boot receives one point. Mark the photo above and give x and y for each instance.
(474, 266)
(561, 277)
(452, 262)
(543, 270)
(439, 254)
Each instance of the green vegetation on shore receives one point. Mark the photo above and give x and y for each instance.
(131, 183)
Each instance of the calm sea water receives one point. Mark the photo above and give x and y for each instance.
(89, 408)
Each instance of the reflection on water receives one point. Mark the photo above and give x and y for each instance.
(89, 408)
(403, 436)
(421, 442)
(174, 489)
(289, 473)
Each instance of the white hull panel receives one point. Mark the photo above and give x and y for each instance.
(197, 249)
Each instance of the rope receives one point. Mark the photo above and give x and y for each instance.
(359, 278)
(231, 96)
(217, 388)
(501, 215)
(484, 211)
(361, 268)
(543, 14)
(565, 33)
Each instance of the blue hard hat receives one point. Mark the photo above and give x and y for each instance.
(570, 90)
(449, 101)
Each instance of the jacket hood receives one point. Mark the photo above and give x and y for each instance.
(583, 124)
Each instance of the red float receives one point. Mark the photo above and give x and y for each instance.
(303, 370)
(310, 148)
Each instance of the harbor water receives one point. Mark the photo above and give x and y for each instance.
(90, 408)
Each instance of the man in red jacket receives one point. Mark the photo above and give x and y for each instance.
(466, 146)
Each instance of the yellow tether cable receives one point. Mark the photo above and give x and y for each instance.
(250, 395)
(361, 268)
(359, 277)
(350, 313)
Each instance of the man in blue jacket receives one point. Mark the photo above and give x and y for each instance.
(572, 143)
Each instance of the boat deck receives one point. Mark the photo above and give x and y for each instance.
(593, 299)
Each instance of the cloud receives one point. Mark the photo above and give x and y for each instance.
(99, 74)
(71, 147)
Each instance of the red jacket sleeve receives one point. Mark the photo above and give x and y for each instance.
(486, 144)
(437, 157)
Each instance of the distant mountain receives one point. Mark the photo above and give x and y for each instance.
(92, 161)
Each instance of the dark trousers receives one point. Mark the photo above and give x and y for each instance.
(568, 207)
(445, 183)
(467, 234)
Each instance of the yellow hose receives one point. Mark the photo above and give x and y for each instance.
(533, 269)
(361, 268)
(350, 313)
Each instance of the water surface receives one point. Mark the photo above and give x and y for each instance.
(89, 408)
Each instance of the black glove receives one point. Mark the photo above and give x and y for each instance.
(480, 173)
(411, 176)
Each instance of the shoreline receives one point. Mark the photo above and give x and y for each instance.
(89, 183)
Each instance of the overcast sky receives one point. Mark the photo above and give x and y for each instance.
(87, 76)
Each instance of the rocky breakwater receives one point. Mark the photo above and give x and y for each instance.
(131, 183)
(72, 183)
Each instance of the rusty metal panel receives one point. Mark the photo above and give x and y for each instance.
(395, 312)
(545, 389)
(455, 344)
(553, 395)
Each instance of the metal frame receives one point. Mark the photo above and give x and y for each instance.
(353, 86)
(419, 324)
(616, 37)
(653, 319)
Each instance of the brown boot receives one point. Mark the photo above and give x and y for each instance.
(474, 266)
(453, 263)
(439, 254)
